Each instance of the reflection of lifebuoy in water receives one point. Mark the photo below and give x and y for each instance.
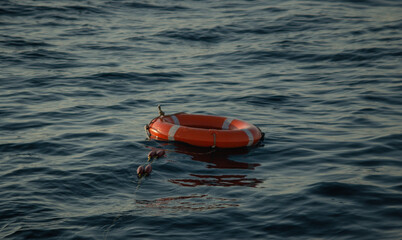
(218, 159)
(188, 203)
(204, 130)
(223, 181)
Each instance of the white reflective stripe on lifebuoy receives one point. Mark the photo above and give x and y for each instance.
(250, 137)
(226, 123)
(175, 120)
(172, 132)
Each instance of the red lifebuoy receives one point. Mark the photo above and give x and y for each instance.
(204, 130)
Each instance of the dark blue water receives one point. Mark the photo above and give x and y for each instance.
(80, 79)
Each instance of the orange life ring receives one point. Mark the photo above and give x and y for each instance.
(204, 130)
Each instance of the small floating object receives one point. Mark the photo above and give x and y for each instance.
(160, 153)
(204, 130)
(148, 169)
(152, 154)
(140, 171)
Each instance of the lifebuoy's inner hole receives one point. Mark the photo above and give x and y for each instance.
(203, 127)
(205, 122)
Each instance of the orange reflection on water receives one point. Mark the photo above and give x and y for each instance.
(218, 159)
(222, 180)
(187, 203)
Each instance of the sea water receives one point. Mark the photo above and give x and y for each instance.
(80, 79)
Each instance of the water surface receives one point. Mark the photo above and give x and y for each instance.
(80, 79)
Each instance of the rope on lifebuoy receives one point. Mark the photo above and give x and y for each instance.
(146, 127)
(161, 113)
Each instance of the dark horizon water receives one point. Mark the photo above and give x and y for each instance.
(80, 79)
